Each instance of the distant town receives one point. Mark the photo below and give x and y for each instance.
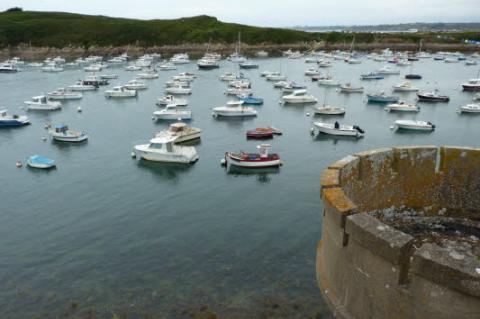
(390, 28)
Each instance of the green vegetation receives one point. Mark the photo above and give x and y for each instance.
(58, 29)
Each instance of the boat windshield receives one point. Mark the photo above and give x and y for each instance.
(156, 145)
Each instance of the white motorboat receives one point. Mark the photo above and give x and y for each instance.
(299, 97)
(120, 92)
(349, 88)
(64, 94)
(353, 61)
(262, 54)
(163, 149)
(234, 109)
(63, 134)
(178, 90)
(402, 106)
(324, 64)
(312, 71)
(173, 112)
(387, 70)
(472, 85)
(450, 60)
(266, 72)
(238, 91)
(404, 63)
(405, 86)
(328, 110)
(52, 68)
(41, 103)
(7, 120)
(469, 108)
(184, 76)
(173, 83)
(240, 84)
(133, 67)
(311, 60)
(180, 58)
(170, 99)
(148, 75)
(337, 129)
(275, 77)
(93, 68)
(207, 64)
(228, 76)
(167, 66)
(327, 81)
(80, 86)
(8, 67)
(181, 132)
(471, 62)
(136, 85)
(414, 125)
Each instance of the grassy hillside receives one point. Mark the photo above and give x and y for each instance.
(58, 29)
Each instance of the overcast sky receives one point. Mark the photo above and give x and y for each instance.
(271, 12)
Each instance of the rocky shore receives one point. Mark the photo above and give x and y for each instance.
(31, 53)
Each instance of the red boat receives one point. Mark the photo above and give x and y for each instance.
(260, 132)
(253, 160)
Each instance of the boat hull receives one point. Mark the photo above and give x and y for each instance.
(261, 163)
(143, 152)
(471, 88)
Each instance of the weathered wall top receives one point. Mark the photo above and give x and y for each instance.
(417, 207)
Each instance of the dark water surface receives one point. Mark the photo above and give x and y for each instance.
(108, 235)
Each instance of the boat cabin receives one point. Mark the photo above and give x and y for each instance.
(61, 128)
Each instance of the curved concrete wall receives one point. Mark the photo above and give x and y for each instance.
(368, 269)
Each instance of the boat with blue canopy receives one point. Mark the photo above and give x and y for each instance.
(38, 161)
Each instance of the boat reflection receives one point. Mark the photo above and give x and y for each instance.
(169, 171)
(262, 174)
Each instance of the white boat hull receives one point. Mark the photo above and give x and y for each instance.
(331, 130)
(187, 157)
(234, 112)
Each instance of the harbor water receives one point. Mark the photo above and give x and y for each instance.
(106, 235)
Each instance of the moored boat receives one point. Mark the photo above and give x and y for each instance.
(38, 161)
(170, 99)
(173, 112)
(472, 85)
(299, 97)
(402, 106)
(42, 103)
(349, 88)
(253, 160)
(337, 129)
(181, 132)
(163, 149)
(371, 76)
(329, 110)
(120, 92)
(62, 133)
(260, 133)
(382, 98)
(469, 108)
(414, 125)
(405, 86)
(432, 97)
(234, 109)
(7, 120)
(64, 94)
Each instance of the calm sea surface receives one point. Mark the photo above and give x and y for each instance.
(107, 235)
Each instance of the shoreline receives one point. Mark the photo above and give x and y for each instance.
(31, 53)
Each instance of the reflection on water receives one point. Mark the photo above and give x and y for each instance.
(170, 171)
(261, 174)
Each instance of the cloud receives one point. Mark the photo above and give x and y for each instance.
(271, 12)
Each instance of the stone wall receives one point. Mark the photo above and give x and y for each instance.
(369, 269)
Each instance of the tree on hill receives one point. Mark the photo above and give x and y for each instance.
(14, 9)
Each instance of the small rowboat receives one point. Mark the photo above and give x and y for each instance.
(37, 161)
(253, 160)
(260, 132)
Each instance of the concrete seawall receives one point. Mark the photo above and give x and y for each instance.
(400, 234)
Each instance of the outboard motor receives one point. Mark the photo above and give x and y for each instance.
(358, 129)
